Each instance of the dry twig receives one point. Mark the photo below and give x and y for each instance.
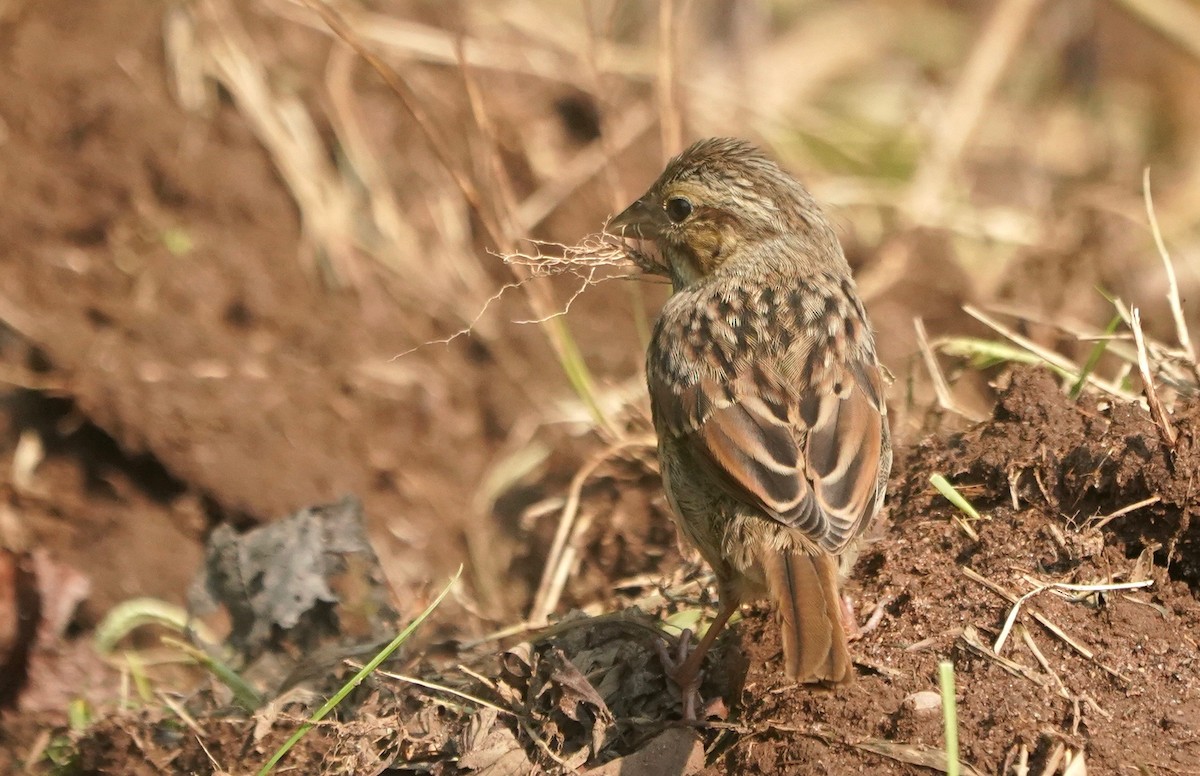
(1181, 329)
(1159, 413)
(940, 387)
(1044, 621)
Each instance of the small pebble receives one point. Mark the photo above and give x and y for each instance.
(923, 702)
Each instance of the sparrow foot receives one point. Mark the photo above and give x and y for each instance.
(683, 672)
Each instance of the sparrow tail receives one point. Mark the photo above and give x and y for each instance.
(805, 591)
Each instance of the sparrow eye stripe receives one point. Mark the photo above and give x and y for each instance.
(678, 209)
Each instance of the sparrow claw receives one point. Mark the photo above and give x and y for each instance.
(689, 686)
(850, 619)
(850, 625)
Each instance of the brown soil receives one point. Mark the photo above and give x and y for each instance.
(175, 389)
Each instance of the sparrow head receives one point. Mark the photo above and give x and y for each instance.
(717, 201)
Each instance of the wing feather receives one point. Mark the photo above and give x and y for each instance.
(806, 456)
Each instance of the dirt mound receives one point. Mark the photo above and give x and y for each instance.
(1084, 461)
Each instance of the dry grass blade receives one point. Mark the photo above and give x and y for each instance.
(183, 58)
(940, 387)
(412, 104)
(998, 646)
(670, 123)
(1103, 521)
(1075, 764)
(1063, 690)
(597, 157)
(912, 754)
(414, 41)
(1101, 587)
(1040, 657)
(1162, 421)
(538, 295)
(428, 685)
(285, 128)
(1181, 329)
(1105, 341)
(182, 713)
(500, 183)
(990, 57)
(1172, 366)
(1021, 768)
(564, 550)
(1044, 621)
(1055, 758)
(971, 638)
(1176, 20)
(1062, 588)
(394, 230)
(1049, 356)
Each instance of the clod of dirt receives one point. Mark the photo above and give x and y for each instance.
(677, 751)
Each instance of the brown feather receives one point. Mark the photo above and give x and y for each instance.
(804, 589)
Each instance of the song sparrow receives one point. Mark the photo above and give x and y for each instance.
(766, 394)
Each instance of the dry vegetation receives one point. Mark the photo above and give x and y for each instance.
(258, 255)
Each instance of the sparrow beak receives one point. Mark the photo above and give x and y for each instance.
(641, 220)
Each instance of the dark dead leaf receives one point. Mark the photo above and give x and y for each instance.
(578, 699)
(491, 749)
(297, 582)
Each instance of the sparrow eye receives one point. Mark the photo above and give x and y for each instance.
(678, 209)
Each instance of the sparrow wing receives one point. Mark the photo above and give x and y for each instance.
(799, 434)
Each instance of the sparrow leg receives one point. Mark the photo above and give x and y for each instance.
(685, 671)
(671, 665)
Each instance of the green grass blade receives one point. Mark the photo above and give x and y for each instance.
(577, 372)
(136, 612)
(246, 696)
(949, 715)
(1094, 357)
(358, 678)
(944, 487)
(984, 353)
